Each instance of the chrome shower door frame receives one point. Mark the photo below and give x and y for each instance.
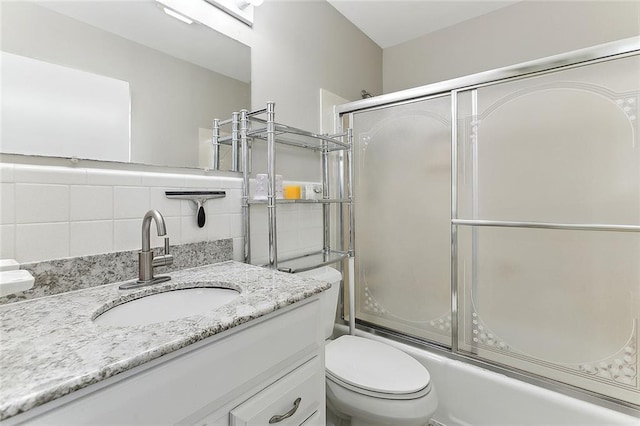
(606, 52)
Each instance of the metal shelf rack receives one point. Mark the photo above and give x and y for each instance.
(260, 125)
(300, 201)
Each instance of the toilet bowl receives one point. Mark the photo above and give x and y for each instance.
(369, 382)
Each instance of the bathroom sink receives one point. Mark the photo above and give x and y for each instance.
(167, 306)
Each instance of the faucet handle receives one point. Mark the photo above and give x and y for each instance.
(166, 246)
(166, 259)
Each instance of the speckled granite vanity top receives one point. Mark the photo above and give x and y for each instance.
(50, 346)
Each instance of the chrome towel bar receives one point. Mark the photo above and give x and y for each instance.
(546, 225)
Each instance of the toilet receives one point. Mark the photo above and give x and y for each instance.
(367, 381)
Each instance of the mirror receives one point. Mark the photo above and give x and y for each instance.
(63, 61)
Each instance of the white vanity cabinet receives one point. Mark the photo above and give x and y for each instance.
(243, 376)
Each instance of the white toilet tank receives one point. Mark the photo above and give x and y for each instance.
(329, 297)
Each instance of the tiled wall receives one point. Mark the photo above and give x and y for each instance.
(56, 212)
(299, 231)
(52, 212)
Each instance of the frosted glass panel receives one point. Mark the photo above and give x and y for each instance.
(560, 302)
(562, 147)
(402, 212)
(563, 304)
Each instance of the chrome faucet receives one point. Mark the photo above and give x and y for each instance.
(146, 259)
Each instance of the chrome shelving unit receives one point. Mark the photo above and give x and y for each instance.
(300, 201)
(260, 125)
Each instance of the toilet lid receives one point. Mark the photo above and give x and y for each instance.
(374, 366)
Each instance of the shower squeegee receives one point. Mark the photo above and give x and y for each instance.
(198, 198)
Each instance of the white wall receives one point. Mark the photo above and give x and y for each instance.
(524, 31)
(299, 48)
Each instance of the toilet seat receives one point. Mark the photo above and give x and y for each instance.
(379, 395)
(375, 369)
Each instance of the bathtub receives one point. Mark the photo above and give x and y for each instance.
(472, 396)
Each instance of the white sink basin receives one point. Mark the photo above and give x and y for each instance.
(167, 306)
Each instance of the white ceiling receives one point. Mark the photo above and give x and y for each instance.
(391, 22)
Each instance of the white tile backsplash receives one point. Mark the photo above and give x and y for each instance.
(232, 202)
(218, 226)
(259, 247)
(130, 202)
(187, 208)
(238, 249)
(163, 180)
(191, 233)
(89, 202)
(287, 240)
(259, 216)
(50, 175)
(40, 203)
(54, 212)
(93, 237)
(215, 206)
(309, 213)
(288, 213)
(7, 203)
(235, 225)
(311, 239)
(160, 202)
(231, 183)
(7, 241)
(174, 231)
(7, 173)
(202, 183)
(42, 241)
(127, 234)
(114, 177)
(299, 231)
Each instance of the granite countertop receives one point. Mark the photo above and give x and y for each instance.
(50, 346)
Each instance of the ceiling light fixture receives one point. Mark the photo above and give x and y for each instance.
(243, 4)
(209, 14)
(239, 9)
(177, 15)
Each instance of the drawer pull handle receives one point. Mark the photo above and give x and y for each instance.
(281, 417)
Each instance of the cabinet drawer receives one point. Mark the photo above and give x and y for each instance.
(315, 419)
(306, 383)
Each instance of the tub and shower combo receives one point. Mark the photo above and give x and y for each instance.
(496, 235)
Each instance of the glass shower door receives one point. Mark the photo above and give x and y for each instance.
(549, 206)
(402, 186)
